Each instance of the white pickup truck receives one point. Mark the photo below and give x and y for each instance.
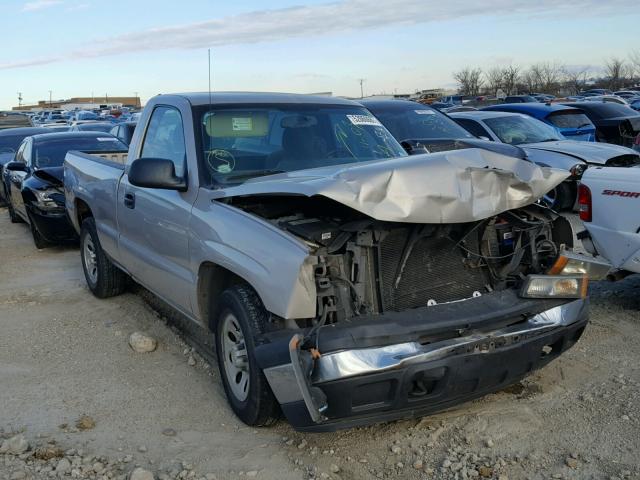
(609, 203)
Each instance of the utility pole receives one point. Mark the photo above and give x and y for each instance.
(137, 99)
(361, 81)
(50, 92)
(19, 99)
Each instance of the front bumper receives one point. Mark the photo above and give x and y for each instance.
(387, 382)
(54, 227)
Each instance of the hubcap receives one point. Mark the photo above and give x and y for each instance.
(234, 356)
(90, 261)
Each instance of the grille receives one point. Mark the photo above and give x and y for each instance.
(433, 271)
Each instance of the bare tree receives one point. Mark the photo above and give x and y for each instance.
(634, 62)
(510, 78)
(615, 71)
(575, 78)
(470, 80)
(529, 80)
(493, 80)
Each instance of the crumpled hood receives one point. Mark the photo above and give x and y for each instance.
(53, 175)
(448, 187)
(590, 152)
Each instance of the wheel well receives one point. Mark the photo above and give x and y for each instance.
(82, 211)
(212, 281)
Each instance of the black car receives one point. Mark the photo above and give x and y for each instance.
(10, 140)
(422, 129)
(615, 123)
(36, 181)
(124, 131)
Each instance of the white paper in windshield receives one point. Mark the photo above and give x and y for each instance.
(425, 112)
(107, 139)
(364, 120)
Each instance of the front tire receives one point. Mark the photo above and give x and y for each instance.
(103, 278)
(242, 318)
(38, 239)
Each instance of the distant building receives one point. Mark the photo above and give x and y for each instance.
(84, 103)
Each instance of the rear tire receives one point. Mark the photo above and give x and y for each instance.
(103, 278)
(13, 216)
(561, 197)
(242, 318)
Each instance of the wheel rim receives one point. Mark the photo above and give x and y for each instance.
(90, 260)
(234, 356)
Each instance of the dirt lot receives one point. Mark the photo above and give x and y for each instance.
(64, 354)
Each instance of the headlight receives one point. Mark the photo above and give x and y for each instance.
(555, 286)
(573, 264)
(44, 200)
(578, 169)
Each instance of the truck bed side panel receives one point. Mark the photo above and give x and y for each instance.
(94, 181)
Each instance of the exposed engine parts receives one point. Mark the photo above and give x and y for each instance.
(364, 266)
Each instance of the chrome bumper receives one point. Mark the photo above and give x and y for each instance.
(360, 362)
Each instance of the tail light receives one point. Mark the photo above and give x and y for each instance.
(637, 140)
(584, 203)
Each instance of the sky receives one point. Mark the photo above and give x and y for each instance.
(119, 47)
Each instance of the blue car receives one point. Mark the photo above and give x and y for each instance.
(570, 122)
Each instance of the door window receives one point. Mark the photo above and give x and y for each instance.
(19, 154)
(165, 138)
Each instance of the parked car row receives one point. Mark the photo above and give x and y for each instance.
(355, 262)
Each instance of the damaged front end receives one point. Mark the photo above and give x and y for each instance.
(411, 318)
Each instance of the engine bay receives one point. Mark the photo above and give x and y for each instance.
(364, 266)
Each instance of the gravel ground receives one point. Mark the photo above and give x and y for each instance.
(77, 402)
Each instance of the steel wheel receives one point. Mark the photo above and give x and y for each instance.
(234, 354)
(90, 259)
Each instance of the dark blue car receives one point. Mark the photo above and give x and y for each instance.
(570, 122)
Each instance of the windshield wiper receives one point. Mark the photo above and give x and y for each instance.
(549, 140)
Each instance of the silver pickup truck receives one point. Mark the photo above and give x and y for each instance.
(344, 282)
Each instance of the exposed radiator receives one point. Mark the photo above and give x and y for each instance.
(434, 271)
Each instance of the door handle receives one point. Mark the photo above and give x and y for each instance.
(130, 200)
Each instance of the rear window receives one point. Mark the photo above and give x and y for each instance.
(570, 119)
(611, 110)
(51, 153)
(95, 127)
(10, 143)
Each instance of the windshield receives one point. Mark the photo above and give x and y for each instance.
(419, 123)
(517, 129)
(241, 143)
(51, 153)
(569, 119)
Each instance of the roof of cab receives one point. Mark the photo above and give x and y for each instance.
(9, 132)
(231, 98)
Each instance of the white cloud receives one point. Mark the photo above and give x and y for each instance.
(39, 5)
(325, 19)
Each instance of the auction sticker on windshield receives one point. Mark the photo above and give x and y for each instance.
(242, 124)
(364, 120)
(425, 112)
(107, 139)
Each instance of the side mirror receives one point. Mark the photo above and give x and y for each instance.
(155, 173)
(16, 167)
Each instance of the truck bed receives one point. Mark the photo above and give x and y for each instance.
(93, 178)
